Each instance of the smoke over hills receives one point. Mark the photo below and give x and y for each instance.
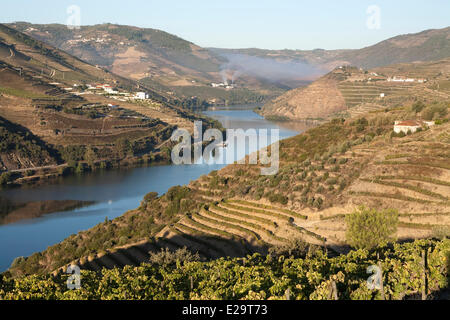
(268, 69)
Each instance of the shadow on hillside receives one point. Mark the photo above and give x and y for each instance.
(208, 248)
(29, 137)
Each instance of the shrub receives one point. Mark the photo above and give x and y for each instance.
(150, 196)
(435, 111)
(368, 228)
(277, 197)
(123, 240)
(166, 257)
(174, 196)
(5, 177)
(318, 203)
(17, 261)
(401, 134)
(418, 106)
(296, 248)
(441, 232)
(81, 168)
(368, 138)
(335, 168)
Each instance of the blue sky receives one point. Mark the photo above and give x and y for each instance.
(291, 24)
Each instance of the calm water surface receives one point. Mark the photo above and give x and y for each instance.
(114, 192)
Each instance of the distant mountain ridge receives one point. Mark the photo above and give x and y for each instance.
(428, 45)
(133, 52)
(172, 65)
(157, 59)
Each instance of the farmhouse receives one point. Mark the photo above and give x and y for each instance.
(103, 86)
(411, 125)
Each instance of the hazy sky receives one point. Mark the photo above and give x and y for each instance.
(280, 24)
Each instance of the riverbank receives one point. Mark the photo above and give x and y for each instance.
(43, 175)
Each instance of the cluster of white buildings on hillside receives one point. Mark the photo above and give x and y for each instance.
(405, 79)
(222, 85)
(107, 89)
(79, 39)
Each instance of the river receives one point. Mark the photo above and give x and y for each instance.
(114, 192)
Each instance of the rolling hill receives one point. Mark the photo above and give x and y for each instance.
(49, 117)
(348, 91)
(162, 61)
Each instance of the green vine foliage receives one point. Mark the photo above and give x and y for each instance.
(255, 277)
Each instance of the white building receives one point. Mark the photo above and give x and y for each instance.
(407, 126)
(411, 125)
(403, 79)
(141, 95)
(111, 91)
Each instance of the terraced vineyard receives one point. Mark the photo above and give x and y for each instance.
(410, 175)
(228, 228)
(356, 93)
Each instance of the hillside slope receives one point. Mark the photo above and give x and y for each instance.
(44, 96)
(130, 51)
(317, 100)
(325, 173)
(424, 46)
(19, 148)
(350, 91)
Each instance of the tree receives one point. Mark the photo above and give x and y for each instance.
(5, 177)
(368, 228)
(90, 156)
(418, 106)
(17, 261)
(123, 147)
(149, 197)
(435, 111)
